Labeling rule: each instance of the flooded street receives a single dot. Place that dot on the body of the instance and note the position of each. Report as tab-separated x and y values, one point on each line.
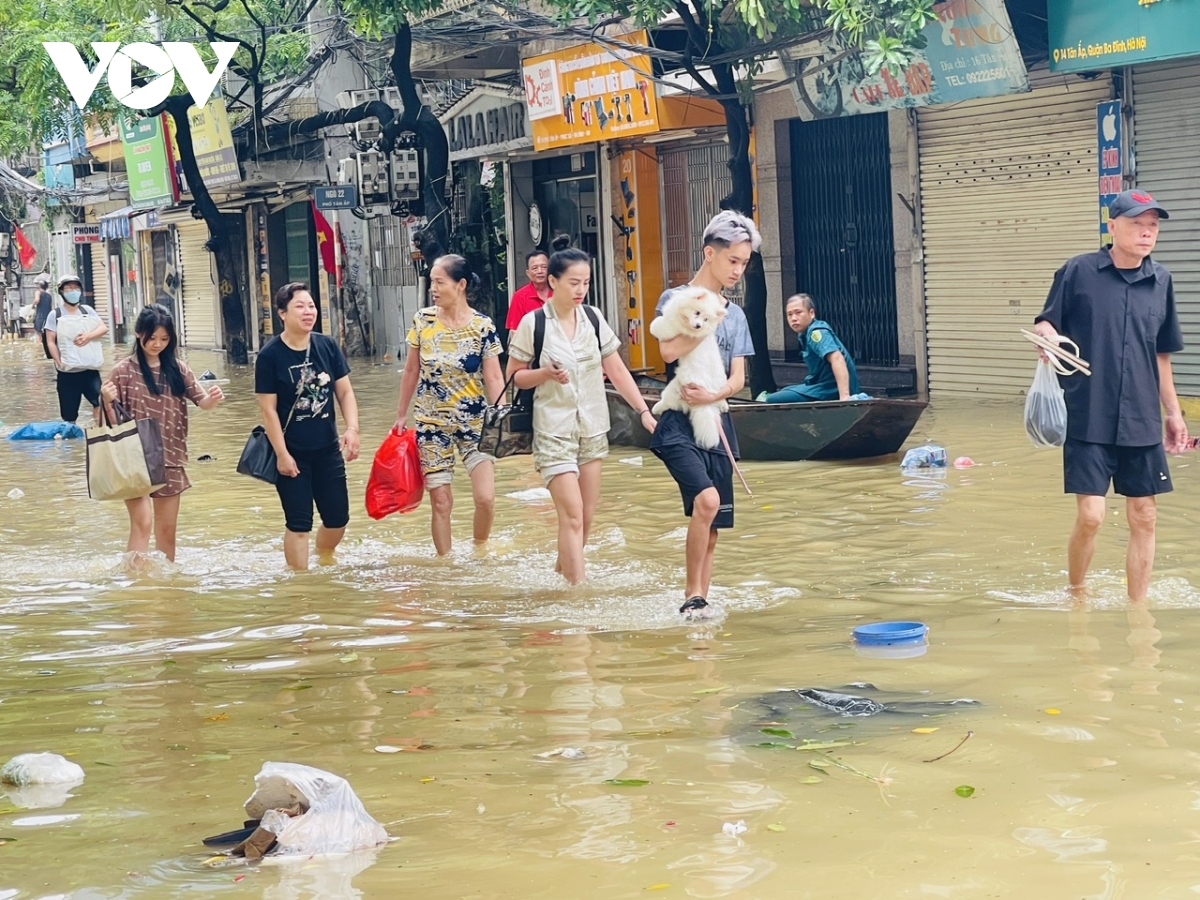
171	689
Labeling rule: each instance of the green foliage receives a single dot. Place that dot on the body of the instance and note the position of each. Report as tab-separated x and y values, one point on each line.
887	31
35	104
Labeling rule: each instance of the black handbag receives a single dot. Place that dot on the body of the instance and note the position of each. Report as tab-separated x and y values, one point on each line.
258	459
508	428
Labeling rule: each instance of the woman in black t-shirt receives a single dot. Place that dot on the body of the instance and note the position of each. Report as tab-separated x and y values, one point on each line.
297	377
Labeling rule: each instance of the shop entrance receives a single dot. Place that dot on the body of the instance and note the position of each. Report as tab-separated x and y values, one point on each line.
569	205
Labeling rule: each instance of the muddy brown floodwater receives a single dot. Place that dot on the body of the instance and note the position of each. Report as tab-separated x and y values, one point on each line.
172	688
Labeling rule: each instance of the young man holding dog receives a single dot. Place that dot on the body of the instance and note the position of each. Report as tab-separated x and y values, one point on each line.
705	477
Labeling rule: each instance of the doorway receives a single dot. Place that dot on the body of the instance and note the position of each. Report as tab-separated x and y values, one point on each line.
567	194
842	197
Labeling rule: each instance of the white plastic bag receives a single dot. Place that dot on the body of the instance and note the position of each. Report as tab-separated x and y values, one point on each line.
336	821
40	768
1046	409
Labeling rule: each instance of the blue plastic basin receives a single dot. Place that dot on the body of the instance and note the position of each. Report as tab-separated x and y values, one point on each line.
891	633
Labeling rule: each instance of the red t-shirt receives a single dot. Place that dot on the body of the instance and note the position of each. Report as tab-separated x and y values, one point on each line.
523	302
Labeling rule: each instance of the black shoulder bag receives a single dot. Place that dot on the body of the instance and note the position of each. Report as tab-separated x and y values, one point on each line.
258	459
508	428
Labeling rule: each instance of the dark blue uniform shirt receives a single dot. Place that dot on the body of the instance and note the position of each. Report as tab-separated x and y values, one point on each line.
1121	319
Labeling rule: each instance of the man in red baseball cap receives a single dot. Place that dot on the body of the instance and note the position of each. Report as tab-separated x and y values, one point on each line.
1119	306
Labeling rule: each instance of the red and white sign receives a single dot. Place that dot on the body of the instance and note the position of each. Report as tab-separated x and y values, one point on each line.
541	89
85	234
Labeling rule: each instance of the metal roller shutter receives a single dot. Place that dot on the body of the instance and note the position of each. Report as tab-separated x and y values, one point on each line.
1166	134
100	300
1008	194
199	292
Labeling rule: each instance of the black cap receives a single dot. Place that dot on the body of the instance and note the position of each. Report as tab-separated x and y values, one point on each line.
1134	203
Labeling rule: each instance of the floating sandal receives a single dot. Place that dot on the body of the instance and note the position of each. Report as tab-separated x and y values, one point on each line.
1062	360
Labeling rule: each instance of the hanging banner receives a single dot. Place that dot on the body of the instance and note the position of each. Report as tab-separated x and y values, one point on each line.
212	142
146	162
1108	141
212	139
1086	35
970	52
589	93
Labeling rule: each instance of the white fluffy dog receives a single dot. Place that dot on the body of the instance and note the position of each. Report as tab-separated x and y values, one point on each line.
694	312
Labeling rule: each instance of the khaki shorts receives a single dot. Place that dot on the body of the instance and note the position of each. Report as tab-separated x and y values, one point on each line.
554	455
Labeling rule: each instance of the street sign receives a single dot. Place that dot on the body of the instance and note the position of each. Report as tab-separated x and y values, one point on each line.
85	234
338	196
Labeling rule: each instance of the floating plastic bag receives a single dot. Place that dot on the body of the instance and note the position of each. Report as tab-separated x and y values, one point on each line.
928	456
396	483
333	821
40	768
1046	409
46	431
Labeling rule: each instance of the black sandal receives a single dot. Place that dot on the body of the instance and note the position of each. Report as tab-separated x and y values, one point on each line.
693	603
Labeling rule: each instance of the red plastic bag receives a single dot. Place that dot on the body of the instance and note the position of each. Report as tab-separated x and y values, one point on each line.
396	483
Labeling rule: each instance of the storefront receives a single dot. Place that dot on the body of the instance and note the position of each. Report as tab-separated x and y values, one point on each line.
1008	194
485	128
1155	50
116	249
1166	128
627	175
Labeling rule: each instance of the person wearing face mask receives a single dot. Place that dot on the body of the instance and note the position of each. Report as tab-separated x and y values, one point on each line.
73	333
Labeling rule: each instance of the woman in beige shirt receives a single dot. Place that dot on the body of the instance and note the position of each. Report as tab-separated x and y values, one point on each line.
570	410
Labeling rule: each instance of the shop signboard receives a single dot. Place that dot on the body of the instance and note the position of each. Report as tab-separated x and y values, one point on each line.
212	142
212	139
491	120
87	233
590	93
1108	142
145	146
1086	35
970	52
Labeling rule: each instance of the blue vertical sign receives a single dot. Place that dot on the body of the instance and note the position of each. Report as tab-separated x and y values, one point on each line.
1108	140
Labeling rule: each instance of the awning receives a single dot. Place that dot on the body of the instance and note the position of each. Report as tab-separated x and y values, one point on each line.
115	225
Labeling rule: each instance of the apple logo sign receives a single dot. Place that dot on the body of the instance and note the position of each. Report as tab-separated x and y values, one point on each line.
1110	126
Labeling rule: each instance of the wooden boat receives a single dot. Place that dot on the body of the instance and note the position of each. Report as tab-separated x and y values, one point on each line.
832	429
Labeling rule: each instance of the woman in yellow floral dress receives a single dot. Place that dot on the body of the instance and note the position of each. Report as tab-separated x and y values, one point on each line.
453	370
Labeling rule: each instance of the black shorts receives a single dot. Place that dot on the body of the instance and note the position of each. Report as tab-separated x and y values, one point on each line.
1134	471
696	470
72	387
322	480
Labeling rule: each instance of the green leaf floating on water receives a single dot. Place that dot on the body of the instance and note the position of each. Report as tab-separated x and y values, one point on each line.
212	757
348	658
774	826
7	840
824	745
964	790
775	745
297	687
777	732
626	782
812	779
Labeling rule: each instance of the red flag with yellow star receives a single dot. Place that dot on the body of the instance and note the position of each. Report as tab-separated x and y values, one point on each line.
325	242
25	250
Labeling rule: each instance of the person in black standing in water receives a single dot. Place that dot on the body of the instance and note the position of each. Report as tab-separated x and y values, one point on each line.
297	376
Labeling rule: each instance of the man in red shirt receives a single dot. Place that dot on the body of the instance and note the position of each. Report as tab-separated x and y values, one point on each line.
534	294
